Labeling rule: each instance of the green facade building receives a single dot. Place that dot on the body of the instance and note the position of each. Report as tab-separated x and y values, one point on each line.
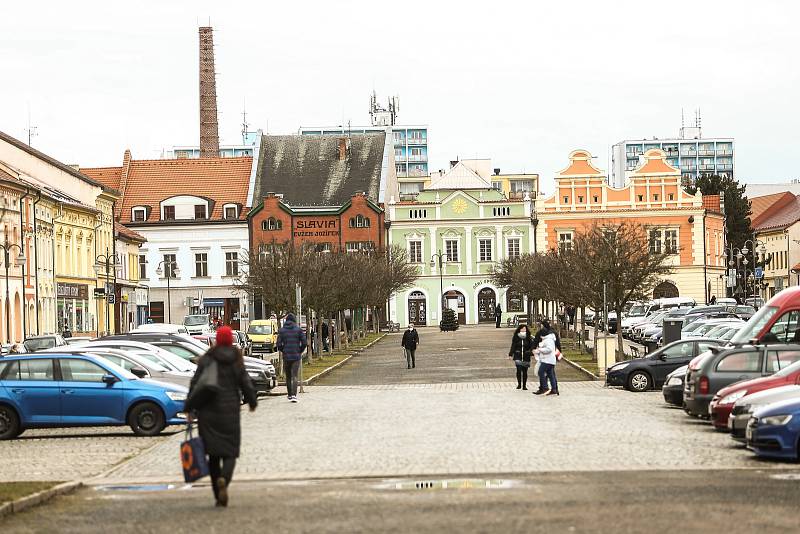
463	222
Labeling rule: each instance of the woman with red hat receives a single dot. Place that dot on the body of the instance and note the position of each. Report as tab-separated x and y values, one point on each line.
218	417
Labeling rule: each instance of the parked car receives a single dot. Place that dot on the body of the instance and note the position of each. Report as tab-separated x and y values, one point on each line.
642	374
673	386
722	403
729	365
198	324
165	328
264	335
136	365
705	327
146	350
700	311
776	322
774	430
743	408
244	342
66	390
32	344
744	312
756	302
78	340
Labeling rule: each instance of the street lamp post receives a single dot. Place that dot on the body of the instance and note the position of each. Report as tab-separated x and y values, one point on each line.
18	261
105	263
442	260
170	270
757	251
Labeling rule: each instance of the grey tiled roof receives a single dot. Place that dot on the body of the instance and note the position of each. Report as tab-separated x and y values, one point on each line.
308	170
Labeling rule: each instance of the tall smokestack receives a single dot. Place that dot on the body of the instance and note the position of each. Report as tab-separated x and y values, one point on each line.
209	127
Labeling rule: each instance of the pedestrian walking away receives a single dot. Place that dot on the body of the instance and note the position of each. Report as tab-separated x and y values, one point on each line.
325	336
520	352
545	354
498	316
218	417
409	344
291	342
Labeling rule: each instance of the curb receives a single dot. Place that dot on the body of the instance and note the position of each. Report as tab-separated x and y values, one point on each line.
41	497
309	380
581	369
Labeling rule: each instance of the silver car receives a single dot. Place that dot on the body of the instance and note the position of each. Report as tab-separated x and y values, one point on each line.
743	408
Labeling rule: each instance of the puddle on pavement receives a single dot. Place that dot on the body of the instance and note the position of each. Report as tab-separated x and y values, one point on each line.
450	484
142	487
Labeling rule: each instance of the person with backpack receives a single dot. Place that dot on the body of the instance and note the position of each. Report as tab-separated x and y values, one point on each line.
218	416
409	344
520	352
292	343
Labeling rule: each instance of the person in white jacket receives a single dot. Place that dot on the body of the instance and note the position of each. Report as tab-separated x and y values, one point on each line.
545	354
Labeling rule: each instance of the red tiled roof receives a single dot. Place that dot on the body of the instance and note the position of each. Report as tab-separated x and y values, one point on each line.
149	182
128	233
782	217
760	205
108	176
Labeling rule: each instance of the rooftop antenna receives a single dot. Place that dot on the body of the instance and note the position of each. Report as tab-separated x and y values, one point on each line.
30	129
699	123
245	126
682	122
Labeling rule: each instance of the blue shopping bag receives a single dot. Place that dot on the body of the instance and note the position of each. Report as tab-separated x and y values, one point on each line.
193	457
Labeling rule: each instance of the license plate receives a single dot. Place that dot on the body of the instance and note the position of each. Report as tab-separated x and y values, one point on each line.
730	422
748	434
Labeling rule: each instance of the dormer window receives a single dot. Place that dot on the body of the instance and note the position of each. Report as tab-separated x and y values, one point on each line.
169	213
139	214
231	211
271	224
200	211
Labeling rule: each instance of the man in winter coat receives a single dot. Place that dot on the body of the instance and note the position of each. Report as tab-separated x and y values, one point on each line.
325	336
218	416
292	343
409	343
498	316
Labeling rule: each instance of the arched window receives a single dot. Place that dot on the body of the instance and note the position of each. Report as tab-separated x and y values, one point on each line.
263	225
352	222
359	221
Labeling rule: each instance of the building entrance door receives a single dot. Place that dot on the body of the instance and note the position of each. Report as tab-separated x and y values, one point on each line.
487	300
417	314
455	301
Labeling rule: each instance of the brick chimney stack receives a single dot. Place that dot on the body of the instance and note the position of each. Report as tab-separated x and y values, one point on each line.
209	127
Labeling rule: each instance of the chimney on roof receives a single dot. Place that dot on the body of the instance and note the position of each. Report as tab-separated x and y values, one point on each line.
343	147
123	179
497	171
209	127
453	163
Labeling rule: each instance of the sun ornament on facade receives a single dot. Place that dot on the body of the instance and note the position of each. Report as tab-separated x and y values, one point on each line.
459	206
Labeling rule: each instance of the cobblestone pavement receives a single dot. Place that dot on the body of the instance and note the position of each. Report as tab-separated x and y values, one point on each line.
471	354
70	453
458	429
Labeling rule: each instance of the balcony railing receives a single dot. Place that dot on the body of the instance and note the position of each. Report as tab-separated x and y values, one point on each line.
706	167
706	152
422	157
689	153
724	152
417	140
519	195
725	167
400	158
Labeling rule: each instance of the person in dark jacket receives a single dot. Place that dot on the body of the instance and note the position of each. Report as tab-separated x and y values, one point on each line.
218	418
498	316
521	351
409	343
325	336
292	343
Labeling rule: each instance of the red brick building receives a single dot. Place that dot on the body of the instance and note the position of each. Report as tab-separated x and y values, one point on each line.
355	225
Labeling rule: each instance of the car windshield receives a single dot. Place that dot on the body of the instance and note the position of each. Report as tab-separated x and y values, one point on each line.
117	370
196	320
637	311
694	326
39	343
754	325
260	329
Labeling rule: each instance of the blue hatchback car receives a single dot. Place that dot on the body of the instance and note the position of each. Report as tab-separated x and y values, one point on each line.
64	390
774	430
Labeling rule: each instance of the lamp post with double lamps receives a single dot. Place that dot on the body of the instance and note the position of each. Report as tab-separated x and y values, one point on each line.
738	257
107	264
19	260
442	261
170	270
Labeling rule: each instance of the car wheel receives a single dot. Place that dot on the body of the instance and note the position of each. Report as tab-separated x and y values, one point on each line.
146	419
639	381
9	423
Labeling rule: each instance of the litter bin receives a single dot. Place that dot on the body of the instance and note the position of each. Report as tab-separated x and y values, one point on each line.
672	330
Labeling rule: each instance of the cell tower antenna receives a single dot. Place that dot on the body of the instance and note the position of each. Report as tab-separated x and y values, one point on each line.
682	122
30	129
245	126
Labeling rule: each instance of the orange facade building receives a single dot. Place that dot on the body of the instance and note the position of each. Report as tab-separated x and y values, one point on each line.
690	227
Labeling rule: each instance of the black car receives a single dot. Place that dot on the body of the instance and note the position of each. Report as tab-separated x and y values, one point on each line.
642	374
673	386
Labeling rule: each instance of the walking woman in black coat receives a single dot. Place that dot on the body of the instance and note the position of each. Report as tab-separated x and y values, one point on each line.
521	351
218	418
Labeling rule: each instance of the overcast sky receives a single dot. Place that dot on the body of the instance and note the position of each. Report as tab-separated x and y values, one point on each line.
523	83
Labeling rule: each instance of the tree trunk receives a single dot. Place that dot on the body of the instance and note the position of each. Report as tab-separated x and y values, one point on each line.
583	328
594	347
345	337
530	312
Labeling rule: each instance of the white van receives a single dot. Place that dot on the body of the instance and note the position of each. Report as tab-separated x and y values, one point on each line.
639	313
160	328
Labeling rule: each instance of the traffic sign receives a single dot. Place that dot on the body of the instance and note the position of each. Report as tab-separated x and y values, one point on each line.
99	291
111	299
759	273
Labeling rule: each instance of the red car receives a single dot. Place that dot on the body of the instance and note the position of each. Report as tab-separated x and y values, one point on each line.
723	401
